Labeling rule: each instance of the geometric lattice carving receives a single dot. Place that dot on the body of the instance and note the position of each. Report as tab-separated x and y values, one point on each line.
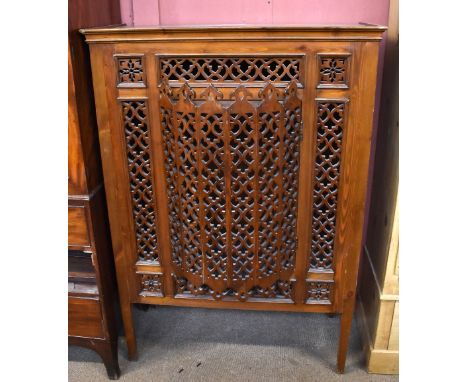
270	206
227	166
139	171
151	284
212	183
319	291
330	117
130	71
171	166
333	71
279	289
291	141
230	69
244	195
187	164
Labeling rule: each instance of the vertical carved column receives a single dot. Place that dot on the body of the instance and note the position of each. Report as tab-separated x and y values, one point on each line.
213	188
244	225
184	113
170	166
293	131
270	192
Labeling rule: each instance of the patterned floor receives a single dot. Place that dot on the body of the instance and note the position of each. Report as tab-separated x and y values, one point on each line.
184	344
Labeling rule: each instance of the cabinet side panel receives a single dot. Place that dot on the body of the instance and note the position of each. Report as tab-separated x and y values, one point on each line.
355	162
113	162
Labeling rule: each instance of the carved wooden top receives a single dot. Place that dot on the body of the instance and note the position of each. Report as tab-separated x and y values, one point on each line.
361	32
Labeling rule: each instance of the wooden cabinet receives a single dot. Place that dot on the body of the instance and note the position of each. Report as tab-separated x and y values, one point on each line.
235	161
378	291
378	305
92	290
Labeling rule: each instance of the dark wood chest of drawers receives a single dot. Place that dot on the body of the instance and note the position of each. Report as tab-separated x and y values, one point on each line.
235	162
92	289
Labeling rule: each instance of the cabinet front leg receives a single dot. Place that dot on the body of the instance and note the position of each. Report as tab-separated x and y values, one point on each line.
129	331
345	331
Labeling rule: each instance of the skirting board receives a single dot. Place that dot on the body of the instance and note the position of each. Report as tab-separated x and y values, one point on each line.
378	361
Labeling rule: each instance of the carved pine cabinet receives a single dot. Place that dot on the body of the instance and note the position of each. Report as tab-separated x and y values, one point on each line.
235	163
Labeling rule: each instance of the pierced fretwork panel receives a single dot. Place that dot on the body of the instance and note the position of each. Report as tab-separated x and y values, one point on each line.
139	171
171	167
188	171
330	120
231	175
279	289
270	182
291	141
243	151
213	185
234	69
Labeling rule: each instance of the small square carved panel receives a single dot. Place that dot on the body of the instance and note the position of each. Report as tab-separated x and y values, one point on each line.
131	72
151	284
319	292
333	71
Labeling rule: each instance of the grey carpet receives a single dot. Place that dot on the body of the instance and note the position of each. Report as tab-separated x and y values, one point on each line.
184	344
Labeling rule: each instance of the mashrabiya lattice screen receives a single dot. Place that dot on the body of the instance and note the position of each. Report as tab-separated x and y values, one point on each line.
139	171
227	167
230	69
330	117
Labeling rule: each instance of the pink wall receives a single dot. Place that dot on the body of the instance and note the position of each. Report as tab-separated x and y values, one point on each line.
177	12
174	12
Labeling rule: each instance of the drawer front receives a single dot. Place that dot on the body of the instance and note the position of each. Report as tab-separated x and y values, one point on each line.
77	227
85	317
